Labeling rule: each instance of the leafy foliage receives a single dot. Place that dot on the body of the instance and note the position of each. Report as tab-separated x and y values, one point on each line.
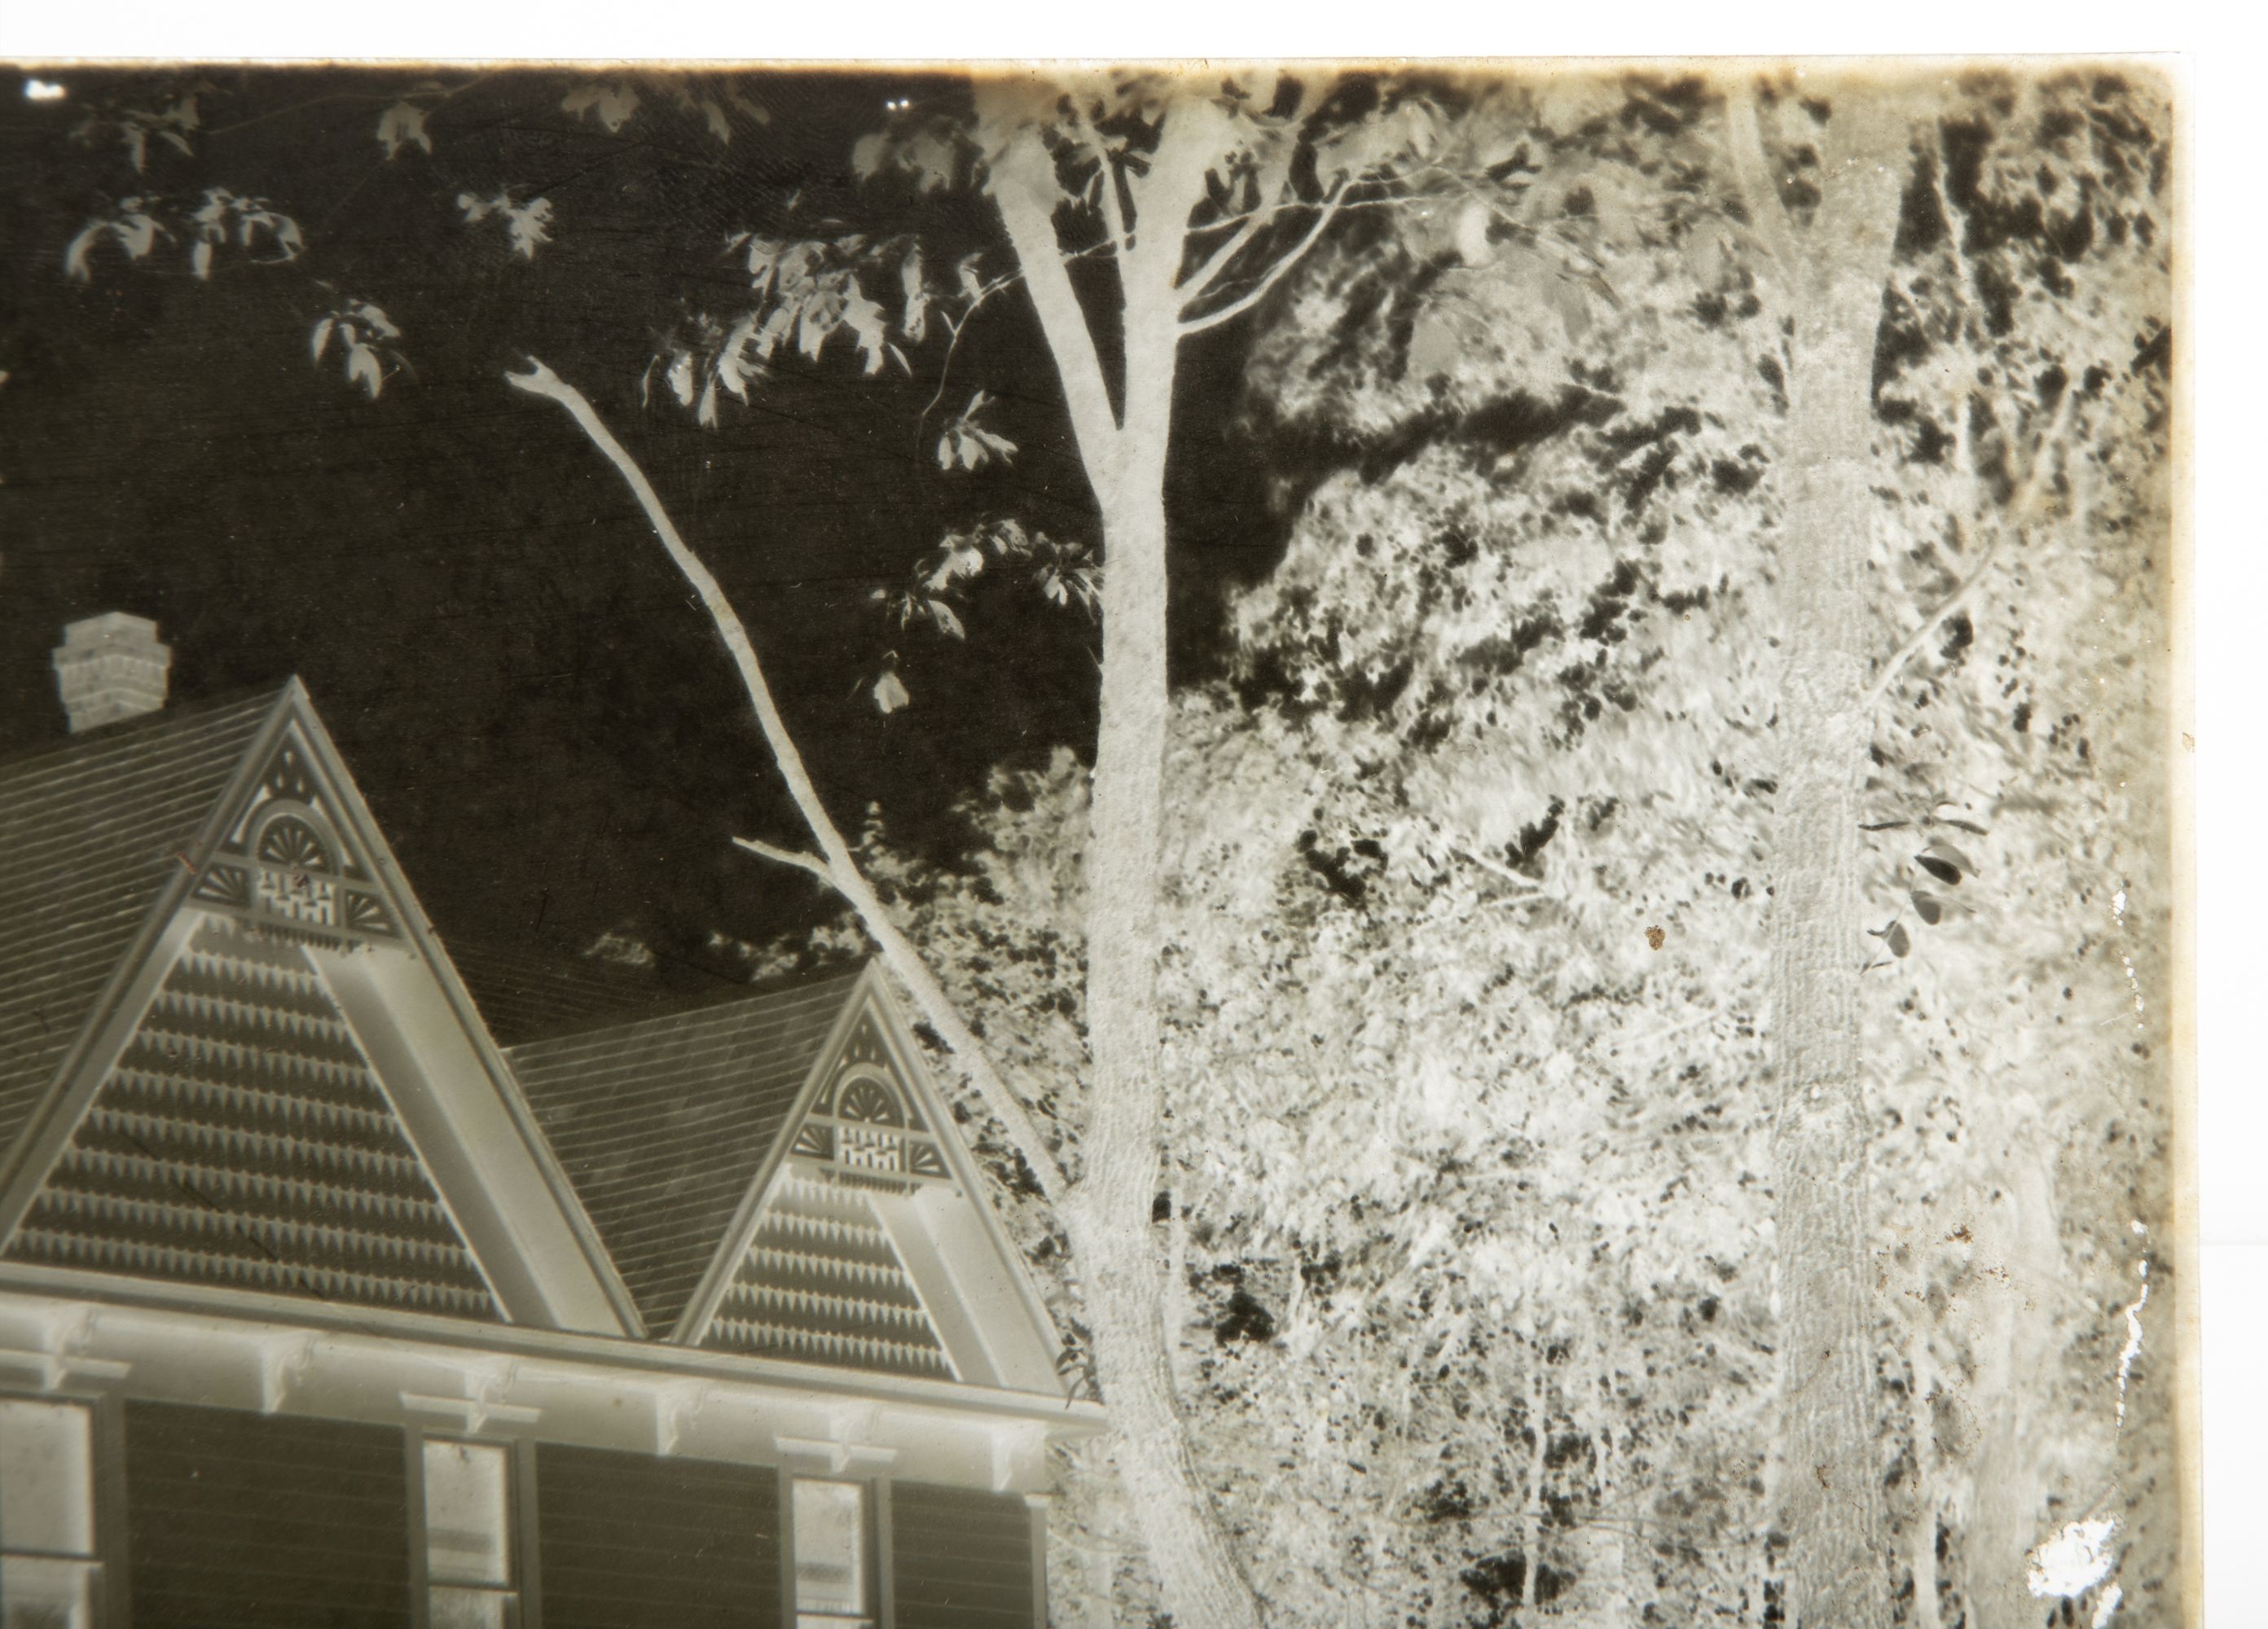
718	105
364	334
966	445
218	219
135	128
1467	885
404	125
526	225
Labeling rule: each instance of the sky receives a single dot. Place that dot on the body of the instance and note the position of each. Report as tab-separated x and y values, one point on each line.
546	726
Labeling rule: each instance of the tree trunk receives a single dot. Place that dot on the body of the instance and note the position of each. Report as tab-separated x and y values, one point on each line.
1531	1517
1107	1217
1836	1573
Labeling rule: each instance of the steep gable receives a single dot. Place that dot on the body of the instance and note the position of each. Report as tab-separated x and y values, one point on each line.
867	1242
289	859
661	1123
274	1081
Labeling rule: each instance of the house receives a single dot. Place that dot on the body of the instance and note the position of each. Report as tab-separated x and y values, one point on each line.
320	1304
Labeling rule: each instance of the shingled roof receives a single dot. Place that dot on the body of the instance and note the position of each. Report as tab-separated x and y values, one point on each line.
526	996
92	830
237	1133
662	1124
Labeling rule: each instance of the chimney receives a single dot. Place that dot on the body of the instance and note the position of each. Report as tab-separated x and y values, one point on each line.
111	667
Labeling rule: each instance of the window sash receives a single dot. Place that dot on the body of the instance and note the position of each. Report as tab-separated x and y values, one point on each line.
467	1517
47	1478
832	1545
49	1592
466	1606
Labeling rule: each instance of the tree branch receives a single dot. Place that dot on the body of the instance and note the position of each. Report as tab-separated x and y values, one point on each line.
2017	517
1931	623
840	868
437	96
1324	216
1022	183
1498	869
957	326
810	862
1113	210
1203	279
1767	212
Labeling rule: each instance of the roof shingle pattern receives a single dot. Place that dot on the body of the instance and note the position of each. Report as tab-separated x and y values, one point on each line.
662	1125
91	833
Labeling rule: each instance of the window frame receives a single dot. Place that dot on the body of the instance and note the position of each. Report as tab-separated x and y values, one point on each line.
106	1558
875	1501
522	1538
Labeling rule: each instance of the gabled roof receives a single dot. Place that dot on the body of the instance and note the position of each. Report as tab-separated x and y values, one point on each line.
310	1105
235	1056
822	1282
93	831
662	1124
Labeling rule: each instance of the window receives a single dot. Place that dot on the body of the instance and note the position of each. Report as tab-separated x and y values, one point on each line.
831	1566
48	1568
470	1581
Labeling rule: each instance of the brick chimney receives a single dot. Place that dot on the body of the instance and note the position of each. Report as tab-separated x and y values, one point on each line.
111	667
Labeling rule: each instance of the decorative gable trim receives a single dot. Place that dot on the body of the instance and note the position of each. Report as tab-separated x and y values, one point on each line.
864	1124
289	860
291	853
701	1307
416	934
916	1266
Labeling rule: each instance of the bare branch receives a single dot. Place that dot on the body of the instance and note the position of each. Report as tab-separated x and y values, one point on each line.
1114	211
1766	210
1650	1035
1325	214
1244	226
1206	275
841	868
1935	619
810	862
438	100
1498	869
2016	517
958	325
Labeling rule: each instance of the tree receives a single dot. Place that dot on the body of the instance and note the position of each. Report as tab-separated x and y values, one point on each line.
1554	574
1834	280
1399	1204
1829	283
1470	1031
